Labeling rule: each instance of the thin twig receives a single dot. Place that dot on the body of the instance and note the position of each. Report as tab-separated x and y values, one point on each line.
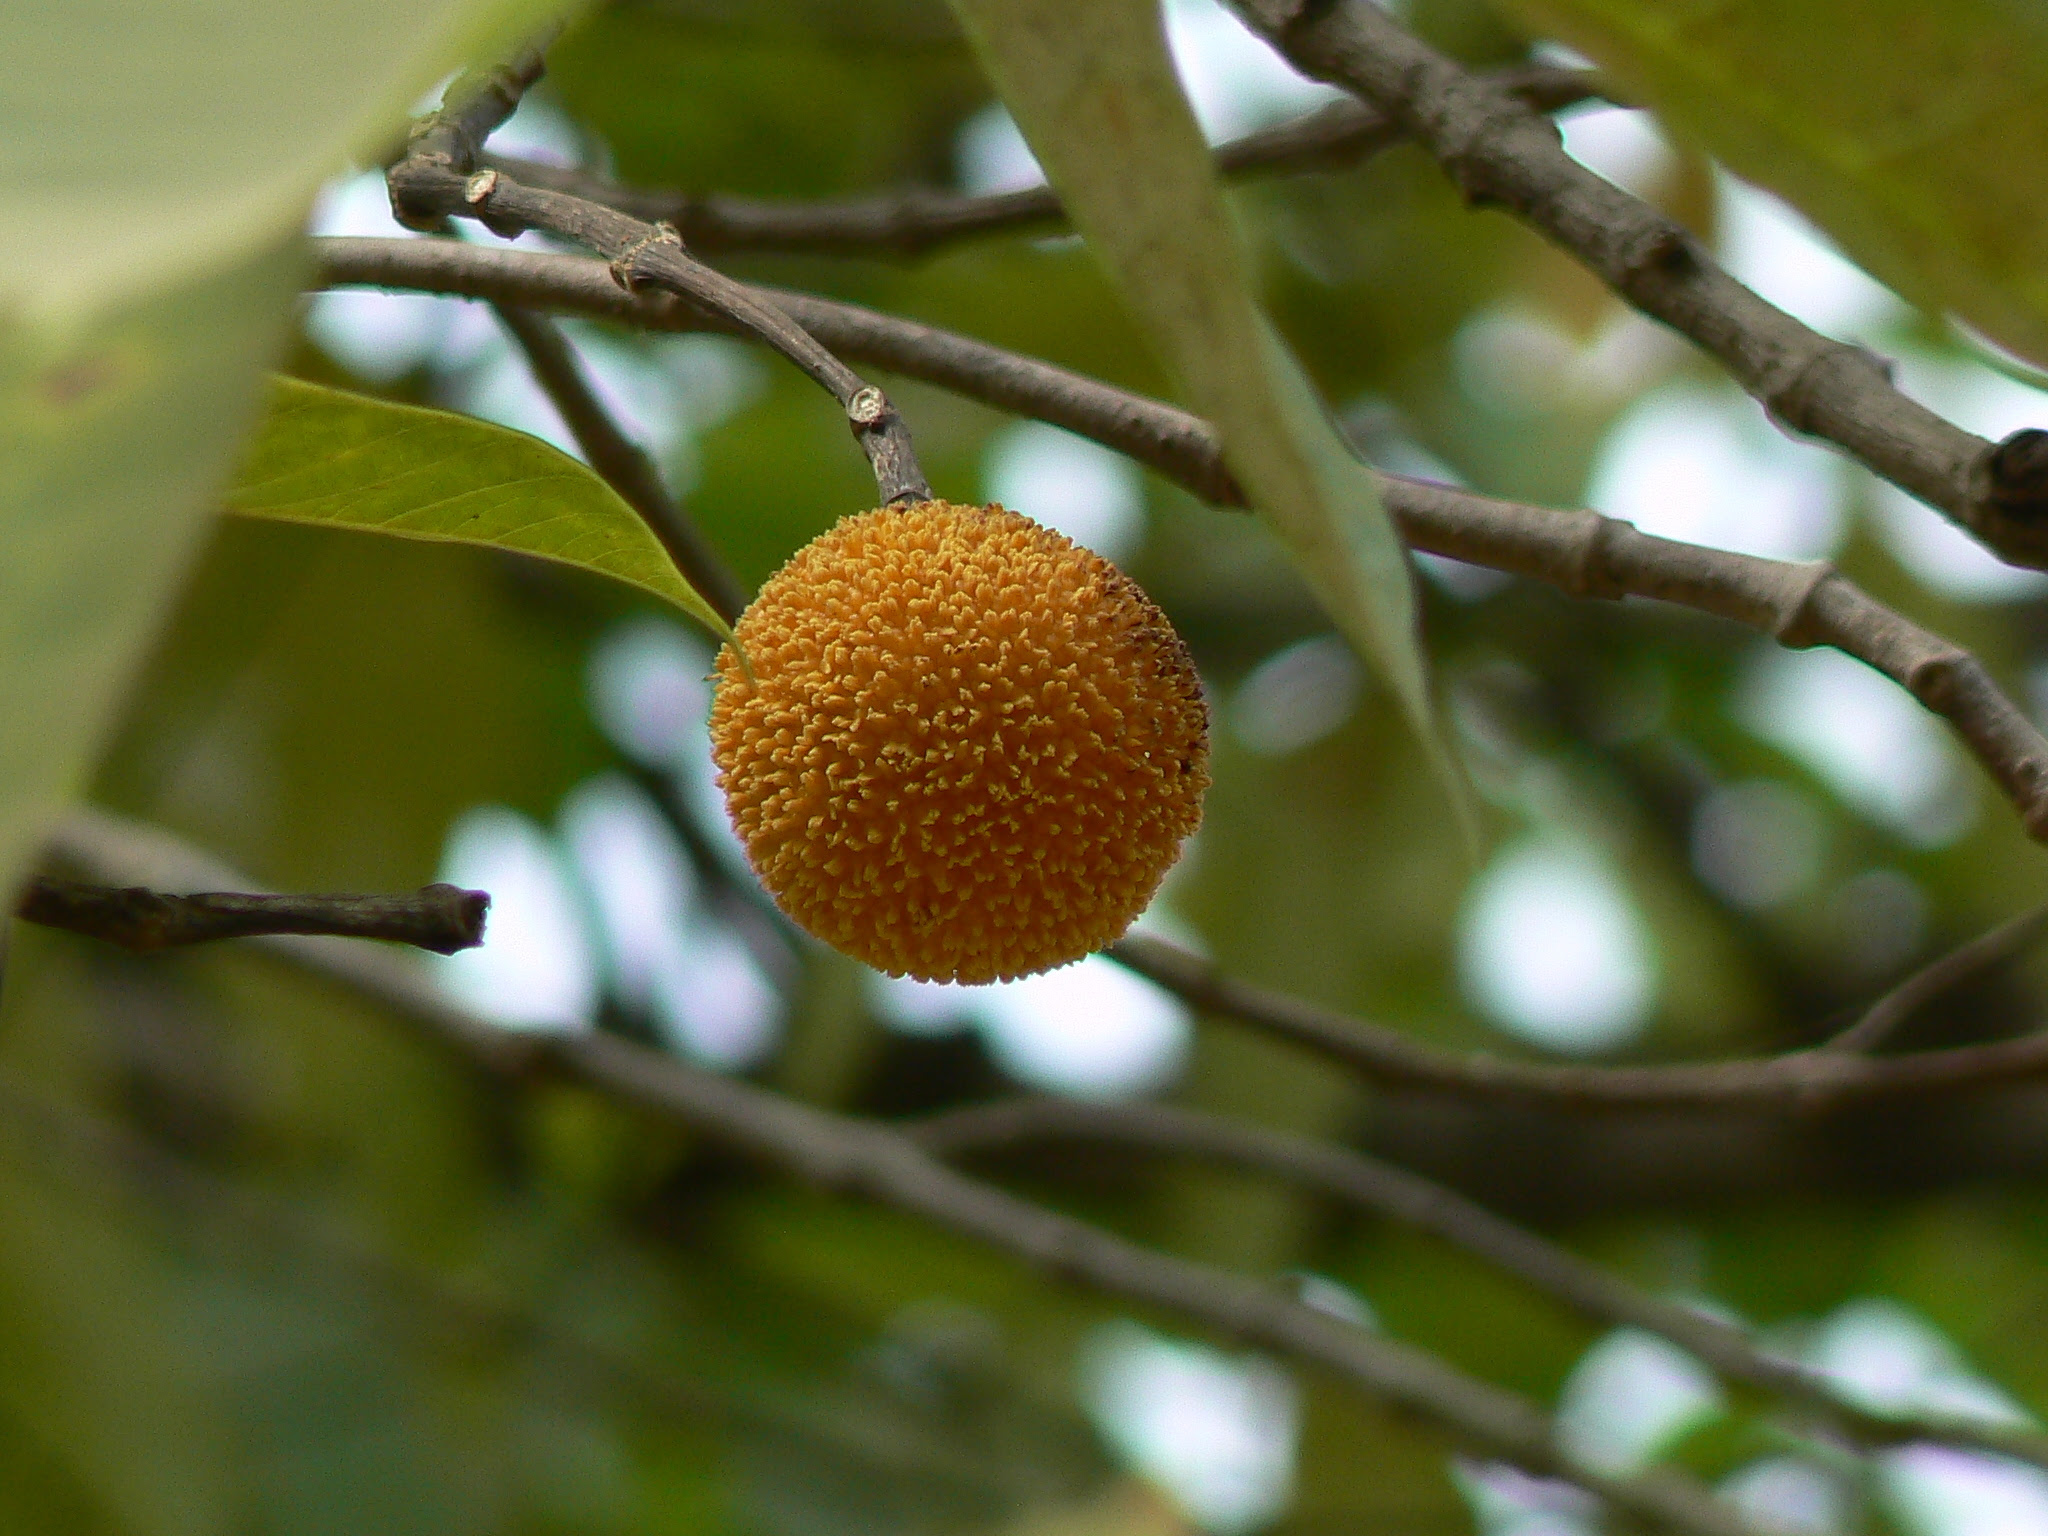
1583	552
616	457
427	189
1989	949
1503	154
442	918
915	222
1393	1192
474	106
1802	1082
870	1160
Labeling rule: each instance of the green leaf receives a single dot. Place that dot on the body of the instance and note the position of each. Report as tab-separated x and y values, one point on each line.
1094	91
340	460
156	161
1909	131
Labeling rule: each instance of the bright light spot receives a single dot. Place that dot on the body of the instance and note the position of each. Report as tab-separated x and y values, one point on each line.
1296	696
1511	357
1943	558
1467	583
534	968
991	156
1334	1299
648	689
1551	948
1554	53
1507	1501
640	387
1623	146
1772	249
1788	1497
1758	843
670	960
1887	1358
1082	489
539	130
377	336
1865	736
431	100
1515	360
1234	82
1092	1029
926	1009
501	388
1704	466
638	876
715	377
1632	1395
713	1001
1217	1432
1936	1491
357	204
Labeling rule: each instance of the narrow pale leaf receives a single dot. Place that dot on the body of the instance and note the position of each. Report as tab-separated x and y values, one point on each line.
1094	91
347	461
157	159
144	142
112	443
1909	130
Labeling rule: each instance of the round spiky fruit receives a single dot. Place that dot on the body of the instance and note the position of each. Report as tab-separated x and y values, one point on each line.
970	749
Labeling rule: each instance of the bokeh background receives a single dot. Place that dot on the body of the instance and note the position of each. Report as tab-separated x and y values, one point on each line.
267	1265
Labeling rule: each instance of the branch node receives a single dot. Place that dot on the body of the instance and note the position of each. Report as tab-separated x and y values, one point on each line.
2015	474
1797	397
1797	626
622	266
867	407
1590	573
1669	250
479	187
419	221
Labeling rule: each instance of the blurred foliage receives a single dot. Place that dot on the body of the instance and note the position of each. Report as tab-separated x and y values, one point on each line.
1895	127
269	1264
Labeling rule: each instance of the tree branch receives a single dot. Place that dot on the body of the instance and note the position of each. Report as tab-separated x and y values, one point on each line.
1389	1191
1502	153
427	188
1582	552
627	469
475	106
1988	950
443	918
881	1165
910	224
1800	1083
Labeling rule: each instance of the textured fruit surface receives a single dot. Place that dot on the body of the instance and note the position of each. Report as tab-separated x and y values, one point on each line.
971	749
